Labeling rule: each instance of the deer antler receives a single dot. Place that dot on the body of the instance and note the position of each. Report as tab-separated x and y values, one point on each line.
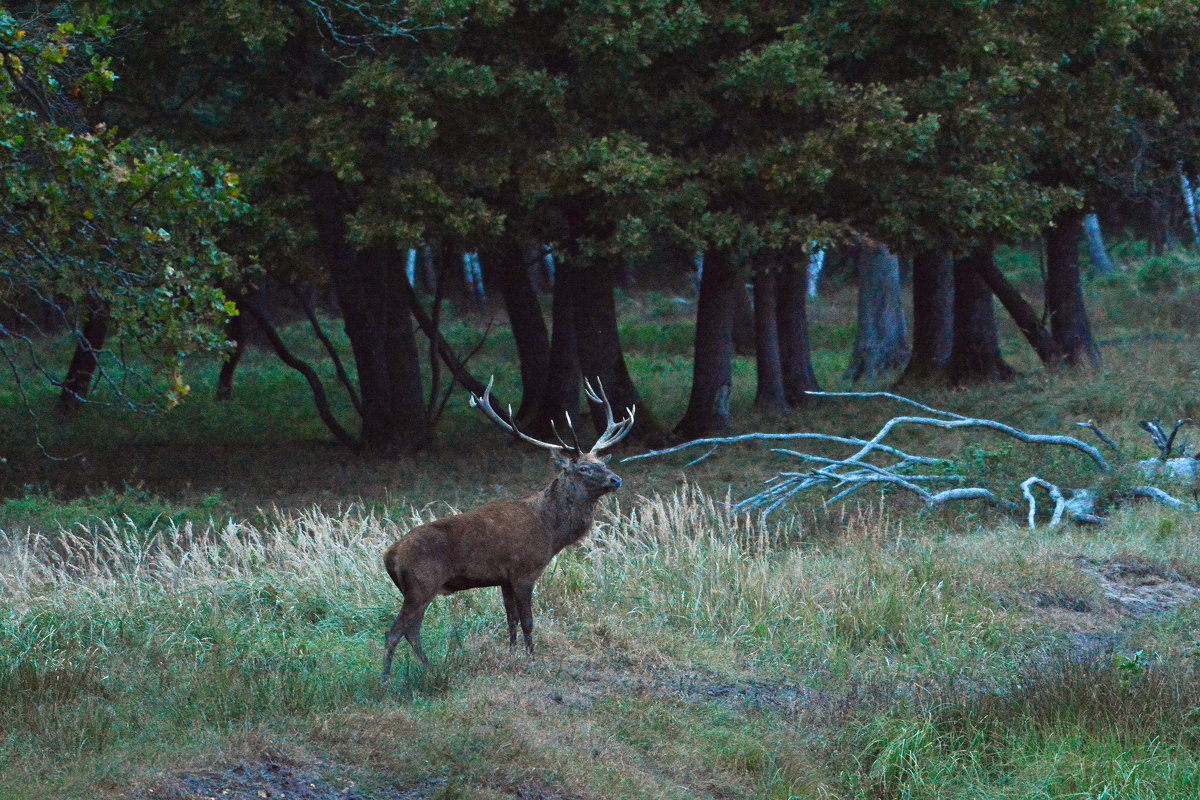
576	448
613	431
484	404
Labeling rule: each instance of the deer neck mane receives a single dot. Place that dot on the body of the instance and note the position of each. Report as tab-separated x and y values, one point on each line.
566	508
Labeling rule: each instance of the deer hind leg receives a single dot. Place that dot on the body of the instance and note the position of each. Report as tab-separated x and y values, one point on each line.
524	598
510	611
407	625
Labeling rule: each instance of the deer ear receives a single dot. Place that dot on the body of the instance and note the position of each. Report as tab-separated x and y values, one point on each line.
606	459
560	461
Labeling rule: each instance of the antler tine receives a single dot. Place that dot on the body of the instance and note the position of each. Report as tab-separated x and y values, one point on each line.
571	427
484	404
574	435
613	431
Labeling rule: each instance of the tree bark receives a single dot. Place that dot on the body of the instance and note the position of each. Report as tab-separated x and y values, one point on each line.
235	332
712	361
975	349
743	321
1027	319
1064	292
372	292
508	263
933	316
881	343
769	396
795	355
561	392
599	346
1189	204
1101	263
86	358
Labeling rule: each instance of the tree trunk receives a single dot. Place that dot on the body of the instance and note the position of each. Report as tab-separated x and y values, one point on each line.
769	396
933	316
1189	204
235	332
1101	264
372	292
1027	319
975	349
712	362
599	346
85	360
816	263
881	344
795	356
561	392
1064	293
743	321
528	326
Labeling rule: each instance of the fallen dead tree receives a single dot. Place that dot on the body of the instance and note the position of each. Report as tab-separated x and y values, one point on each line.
937	481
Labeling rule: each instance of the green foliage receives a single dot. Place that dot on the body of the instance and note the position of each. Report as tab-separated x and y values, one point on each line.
91	220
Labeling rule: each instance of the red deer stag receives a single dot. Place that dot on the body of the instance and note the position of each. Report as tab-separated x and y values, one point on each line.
507	543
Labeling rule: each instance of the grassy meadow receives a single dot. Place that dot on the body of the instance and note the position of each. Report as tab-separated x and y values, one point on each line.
193	605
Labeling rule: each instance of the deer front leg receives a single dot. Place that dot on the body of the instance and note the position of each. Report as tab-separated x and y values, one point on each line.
510	611
524	598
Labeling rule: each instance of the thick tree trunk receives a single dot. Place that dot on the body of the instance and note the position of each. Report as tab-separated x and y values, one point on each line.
795	356
975	350
78	380
743	321
881	344
712	362
1101	263
1027	319
1064	292
769	396
599	346
933	316
528	326
561	392
373	293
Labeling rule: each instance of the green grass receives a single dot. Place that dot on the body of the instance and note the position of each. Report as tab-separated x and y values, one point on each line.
681	651
226	603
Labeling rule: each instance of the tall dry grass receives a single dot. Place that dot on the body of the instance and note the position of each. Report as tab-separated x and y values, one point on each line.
883	651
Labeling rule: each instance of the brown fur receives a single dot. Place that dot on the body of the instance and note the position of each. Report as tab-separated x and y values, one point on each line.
507	544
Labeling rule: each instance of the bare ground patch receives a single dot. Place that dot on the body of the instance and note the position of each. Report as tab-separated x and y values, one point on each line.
1140	590
256	780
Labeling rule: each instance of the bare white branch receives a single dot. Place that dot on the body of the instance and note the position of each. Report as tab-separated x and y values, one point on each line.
1060	502
843	476
1159	496
957	421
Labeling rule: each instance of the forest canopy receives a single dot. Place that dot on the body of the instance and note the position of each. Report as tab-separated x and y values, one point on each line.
171	171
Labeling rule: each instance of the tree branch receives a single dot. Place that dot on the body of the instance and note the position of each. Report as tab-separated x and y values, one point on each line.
314	381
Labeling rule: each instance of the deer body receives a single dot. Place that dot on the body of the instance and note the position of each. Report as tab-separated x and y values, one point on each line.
506	543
